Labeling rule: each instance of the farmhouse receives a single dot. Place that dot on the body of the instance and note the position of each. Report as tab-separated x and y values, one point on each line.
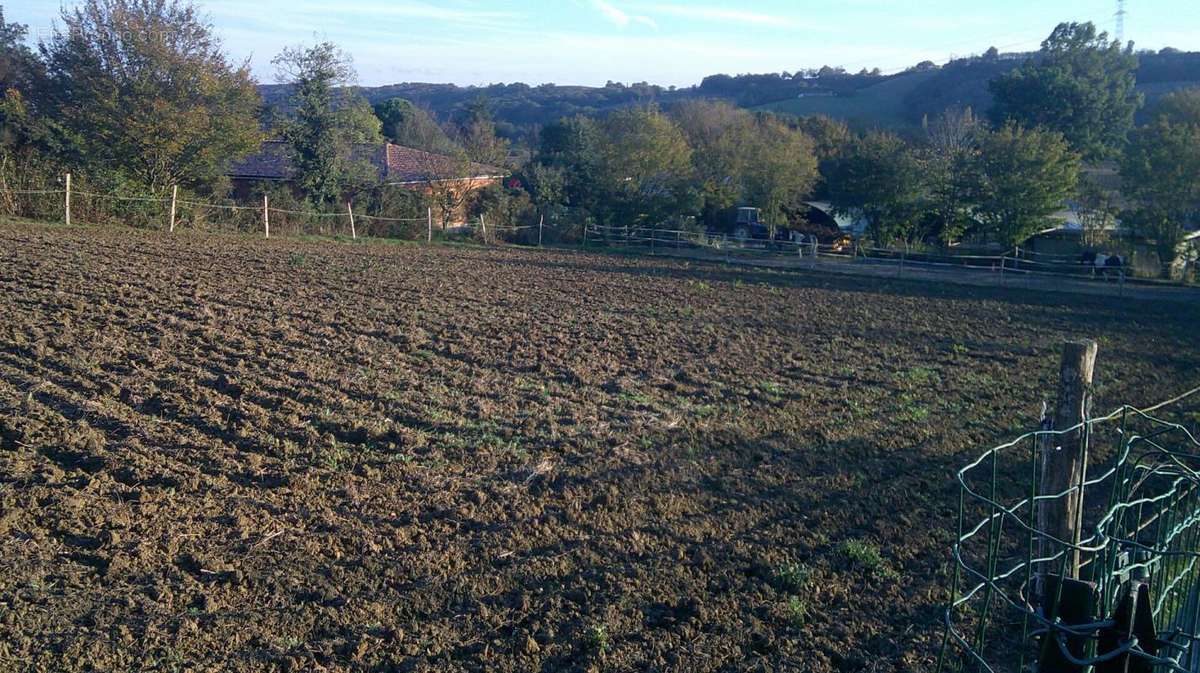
444	177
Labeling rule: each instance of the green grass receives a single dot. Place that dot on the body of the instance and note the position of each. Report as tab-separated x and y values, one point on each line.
792	577
865	555
877	105
919	376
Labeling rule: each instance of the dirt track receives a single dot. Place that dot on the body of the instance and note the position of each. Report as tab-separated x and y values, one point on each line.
227	454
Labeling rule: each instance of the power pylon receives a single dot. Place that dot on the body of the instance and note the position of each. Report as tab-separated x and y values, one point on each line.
1121	14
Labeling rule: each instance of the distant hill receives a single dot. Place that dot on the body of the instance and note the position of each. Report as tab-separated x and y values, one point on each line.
905	99
866	99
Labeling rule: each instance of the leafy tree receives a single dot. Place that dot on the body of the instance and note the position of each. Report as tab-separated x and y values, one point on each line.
1180	107
879	177
644	168
477	135
1080	84
404	123
742	158
546	186
326	121
1161	174
1095	206
723	141
572	147
358	119
1025	176
19	66
782	170
145	89
949	162
830	136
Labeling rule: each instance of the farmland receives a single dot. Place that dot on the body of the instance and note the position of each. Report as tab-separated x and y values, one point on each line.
220	453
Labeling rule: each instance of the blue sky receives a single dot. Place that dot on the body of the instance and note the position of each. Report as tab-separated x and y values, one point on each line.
660	41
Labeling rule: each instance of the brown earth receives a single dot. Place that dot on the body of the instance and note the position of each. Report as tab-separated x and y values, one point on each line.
228	454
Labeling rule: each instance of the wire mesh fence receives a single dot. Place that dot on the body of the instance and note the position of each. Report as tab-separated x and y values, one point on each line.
1125	594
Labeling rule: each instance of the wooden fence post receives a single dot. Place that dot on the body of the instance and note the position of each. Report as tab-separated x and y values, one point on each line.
429	215
350	210
1064	464
174	196
541	222
67	204
266	218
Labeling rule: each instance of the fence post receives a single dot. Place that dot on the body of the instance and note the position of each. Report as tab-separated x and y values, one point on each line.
67	204
429	216
174	196
541	222
1064	464
350	210
266	218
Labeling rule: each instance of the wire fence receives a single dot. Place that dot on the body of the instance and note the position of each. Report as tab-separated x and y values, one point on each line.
1126	595
1008	265
228	216
174	213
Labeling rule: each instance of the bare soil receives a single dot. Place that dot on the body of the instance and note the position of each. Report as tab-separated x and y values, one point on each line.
228	454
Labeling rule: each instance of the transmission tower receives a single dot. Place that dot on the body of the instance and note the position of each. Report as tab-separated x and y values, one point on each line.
1121	14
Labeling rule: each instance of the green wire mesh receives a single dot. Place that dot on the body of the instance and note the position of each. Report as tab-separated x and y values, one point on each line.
1136	604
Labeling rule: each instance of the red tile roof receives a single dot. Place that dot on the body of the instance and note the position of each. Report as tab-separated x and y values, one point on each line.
396	164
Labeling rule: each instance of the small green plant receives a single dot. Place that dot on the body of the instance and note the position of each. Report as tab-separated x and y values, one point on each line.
296	260
797	611
911	410
959	349
919	376
792	577
636	398
595	639
867	556
771	389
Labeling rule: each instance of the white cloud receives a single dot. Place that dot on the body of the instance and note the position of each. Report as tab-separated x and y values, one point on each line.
725	15
621	17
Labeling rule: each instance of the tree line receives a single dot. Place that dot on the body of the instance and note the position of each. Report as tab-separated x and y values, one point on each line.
999	178
138	96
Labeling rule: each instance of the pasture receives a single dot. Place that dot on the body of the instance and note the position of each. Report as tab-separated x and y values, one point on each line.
220	453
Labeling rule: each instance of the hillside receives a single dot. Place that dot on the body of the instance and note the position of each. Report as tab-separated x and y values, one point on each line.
905	99
864	99
880	104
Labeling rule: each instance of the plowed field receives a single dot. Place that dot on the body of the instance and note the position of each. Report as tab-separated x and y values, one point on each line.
228	454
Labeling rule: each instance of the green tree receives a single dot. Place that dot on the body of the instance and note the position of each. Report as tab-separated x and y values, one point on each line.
476	134
1025	176
948	166
19	66
644	168
411	126
1161	175
145	89
1180	107
879	178
782	170
723	139
326	120
1080	84
830	136
740	158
